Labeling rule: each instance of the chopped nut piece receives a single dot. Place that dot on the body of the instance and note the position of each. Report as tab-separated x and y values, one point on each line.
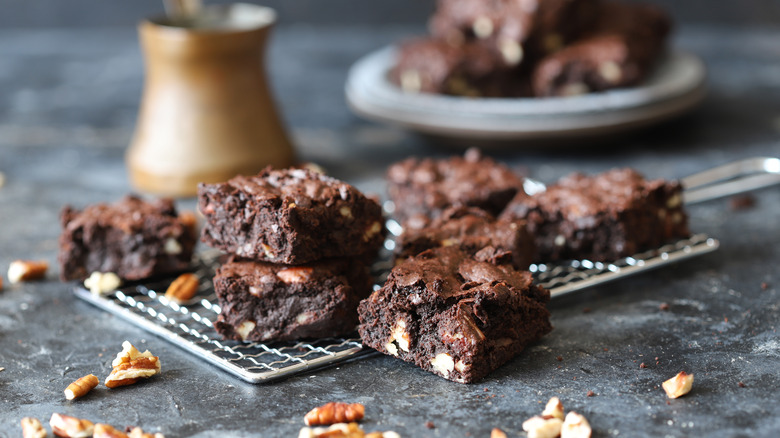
542	427
245	329
183	288
343	430
101	283
497	433
553	409
2	179
137	432
106	431
1	283
443	363
131	365
575	426
81	387
32	428
334	412
26	270
295	274
678	385
70	427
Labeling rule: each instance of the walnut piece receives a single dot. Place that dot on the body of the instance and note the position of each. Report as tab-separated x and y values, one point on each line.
554	408
81	387
70	427
678	385
183	288
343	430
32	428
543	426
334	412
27	270
101	283
497	433
131	365
575	426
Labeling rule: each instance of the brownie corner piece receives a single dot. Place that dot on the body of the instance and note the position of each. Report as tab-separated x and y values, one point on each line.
290	216
132	238
454	314
429	186
266	302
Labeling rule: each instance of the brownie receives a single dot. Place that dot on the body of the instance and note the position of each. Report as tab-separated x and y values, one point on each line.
430	65
453	314
132	238
429	186
619	51
290	216
264	302
520	30
603	217
471	229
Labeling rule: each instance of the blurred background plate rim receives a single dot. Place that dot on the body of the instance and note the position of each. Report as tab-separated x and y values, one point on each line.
676	86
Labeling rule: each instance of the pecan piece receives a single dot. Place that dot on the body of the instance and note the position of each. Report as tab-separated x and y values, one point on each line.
131	365
334	412
107	431
183	288
678	385
343	430
81	387
70	427
26	270
32	428
575	426
101	283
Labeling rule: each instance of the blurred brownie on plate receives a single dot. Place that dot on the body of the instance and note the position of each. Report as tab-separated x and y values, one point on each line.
269	302
290	216
132	238
603	217
426	187
455	315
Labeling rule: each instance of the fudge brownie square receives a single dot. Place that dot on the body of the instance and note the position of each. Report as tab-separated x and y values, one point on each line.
429	65
132	238
290	216
471	229
619	51
429	186
603	217
520	30
264	302
455	315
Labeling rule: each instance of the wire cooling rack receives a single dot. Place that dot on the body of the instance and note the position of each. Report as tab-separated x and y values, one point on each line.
191	325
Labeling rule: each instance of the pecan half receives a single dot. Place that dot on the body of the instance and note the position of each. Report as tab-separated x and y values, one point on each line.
334	412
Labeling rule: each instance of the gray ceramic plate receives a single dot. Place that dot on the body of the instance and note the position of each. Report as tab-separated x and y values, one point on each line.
676	86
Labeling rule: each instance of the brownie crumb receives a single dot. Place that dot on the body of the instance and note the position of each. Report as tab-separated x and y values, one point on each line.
430	425
559	358
591	393
743	202
642	365
741	385
764	285
587	310
664	306
606	349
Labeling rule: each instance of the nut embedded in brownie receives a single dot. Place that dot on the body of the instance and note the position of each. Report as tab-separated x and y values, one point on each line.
270	302
290	216
132	238
456	315
603	217
471	229
618	51
429	186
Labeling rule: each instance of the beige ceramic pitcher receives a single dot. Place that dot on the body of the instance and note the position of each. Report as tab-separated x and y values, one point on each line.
206	112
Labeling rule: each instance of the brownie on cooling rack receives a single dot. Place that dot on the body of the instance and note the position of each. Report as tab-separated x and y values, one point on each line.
453	314
426	187
290	216
265	302
603	217
132	238
618	51
471	229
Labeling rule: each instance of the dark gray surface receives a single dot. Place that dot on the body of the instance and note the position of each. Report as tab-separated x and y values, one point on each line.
68	105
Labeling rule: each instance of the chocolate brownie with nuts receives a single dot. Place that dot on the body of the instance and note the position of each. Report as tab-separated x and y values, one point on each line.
290	216
429	186
269	302
471	229
455	315
619	51
132	238
603	217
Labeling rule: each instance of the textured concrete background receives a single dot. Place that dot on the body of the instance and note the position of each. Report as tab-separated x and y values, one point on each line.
68	100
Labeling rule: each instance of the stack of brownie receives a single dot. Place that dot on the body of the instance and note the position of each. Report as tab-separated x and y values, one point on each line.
299	244
524	48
